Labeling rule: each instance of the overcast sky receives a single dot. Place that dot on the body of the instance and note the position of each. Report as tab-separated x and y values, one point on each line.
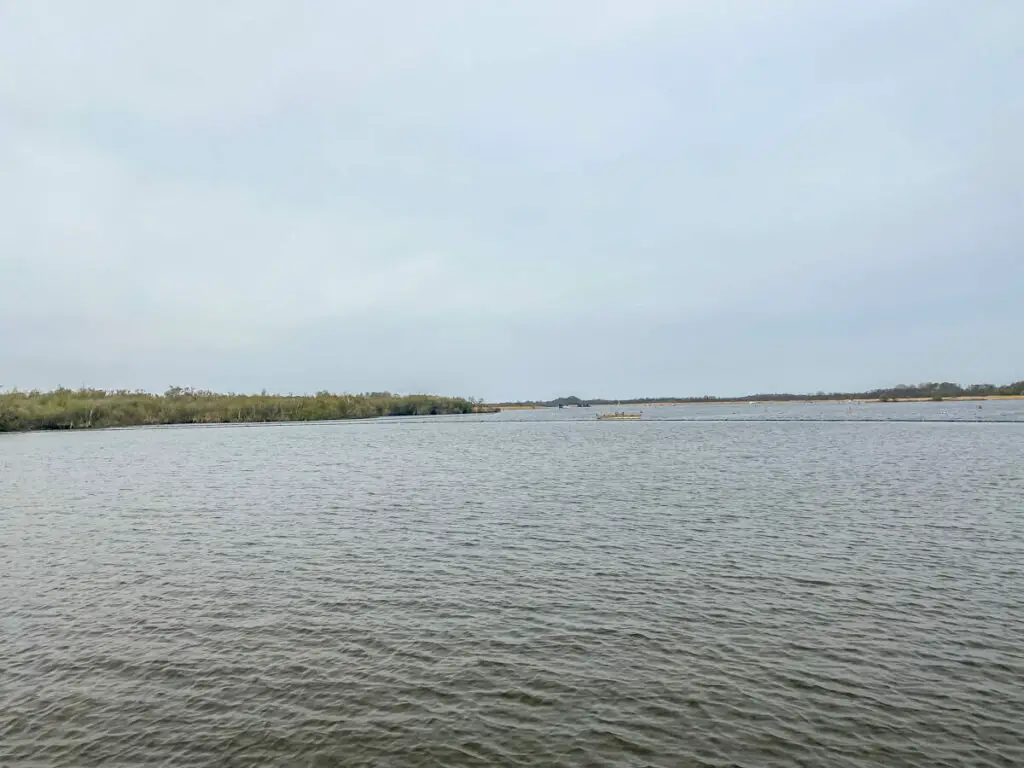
511	199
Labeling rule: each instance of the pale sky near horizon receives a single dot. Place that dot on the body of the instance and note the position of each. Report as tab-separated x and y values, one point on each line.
511	200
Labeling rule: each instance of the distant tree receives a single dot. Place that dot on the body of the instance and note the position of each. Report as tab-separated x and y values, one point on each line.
64	409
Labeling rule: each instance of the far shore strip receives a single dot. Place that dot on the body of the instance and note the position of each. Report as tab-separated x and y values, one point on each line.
528	407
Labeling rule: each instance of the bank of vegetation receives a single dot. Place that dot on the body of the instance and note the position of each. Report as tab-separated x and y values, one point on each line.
97	408
930	390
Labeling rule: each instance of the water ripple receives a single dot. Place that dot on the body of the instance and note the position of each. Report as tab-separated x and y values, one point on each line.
525	593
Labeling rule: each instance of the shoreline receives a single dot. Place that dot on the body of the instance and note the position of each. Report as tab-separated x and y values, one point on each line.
861	400
84	409
808	401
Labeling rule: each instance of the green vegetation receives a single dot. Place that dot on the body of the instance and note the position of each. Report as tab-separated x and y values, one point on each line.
568	401
933	390
96	408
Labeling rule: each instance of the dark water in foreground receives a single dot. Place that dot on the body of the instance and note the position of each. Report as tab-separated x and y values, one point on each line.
525	590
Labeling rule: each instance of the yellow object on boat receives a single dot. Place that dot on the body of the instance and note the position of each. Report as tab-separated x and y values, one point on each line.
618	416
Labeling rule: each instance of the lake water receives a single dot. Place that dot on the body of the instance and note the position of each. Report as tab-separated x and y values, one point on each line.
813	585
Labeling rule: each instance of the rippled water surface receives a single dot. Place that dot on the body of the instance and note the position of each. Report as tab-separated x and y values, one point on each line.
789	585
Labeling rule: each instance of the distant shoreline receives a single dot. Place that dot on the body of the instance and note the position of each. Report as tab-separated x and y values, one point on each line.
828	400
66	409
790	400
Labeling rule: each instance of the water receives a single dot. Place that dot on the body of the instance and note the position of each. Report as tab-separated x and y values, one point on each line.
521	589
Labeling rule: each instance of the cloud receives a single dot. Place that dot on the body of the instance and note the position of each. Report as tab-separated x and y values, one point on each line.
101	237
198	193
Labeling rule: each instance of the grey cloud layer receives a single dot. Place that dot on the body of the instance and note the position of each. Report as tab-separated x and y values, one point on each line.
291	194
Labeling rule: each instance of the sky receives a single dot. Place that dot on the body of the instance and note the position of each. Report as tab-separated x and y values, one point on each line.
511	200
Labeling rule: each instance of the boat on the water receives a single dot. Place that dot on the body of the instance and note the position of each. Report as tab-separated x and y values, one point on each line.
618	416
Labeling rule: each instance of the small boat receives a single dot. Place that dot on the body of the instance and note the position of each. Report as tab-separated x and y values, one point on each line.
618	416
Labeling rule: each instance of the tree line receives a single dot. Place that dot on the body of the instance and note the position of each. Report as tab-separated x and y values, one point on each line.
97	408
934	390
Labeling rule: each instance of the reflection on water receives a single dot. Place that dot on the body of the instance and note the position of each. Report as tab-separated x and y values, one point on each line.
520	589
